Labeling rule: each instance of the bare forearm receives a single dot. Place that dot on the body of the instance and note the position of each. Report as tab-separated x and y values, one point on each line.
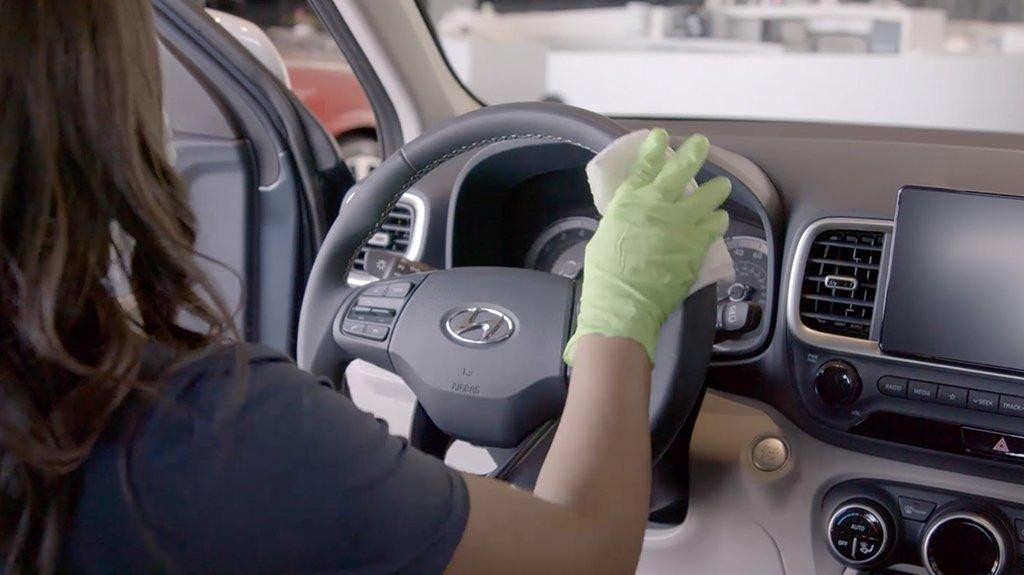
600	462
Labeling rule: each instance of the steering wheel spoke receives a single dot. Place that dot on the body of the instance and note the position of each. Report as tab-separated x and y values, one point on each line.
480	347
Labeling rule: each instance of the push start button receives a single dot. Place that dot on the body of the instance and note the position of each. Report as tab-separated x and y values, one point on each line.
769	454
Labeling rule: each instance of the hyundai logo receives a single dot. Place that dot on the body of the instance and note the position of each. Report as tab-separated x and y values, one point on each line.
478	325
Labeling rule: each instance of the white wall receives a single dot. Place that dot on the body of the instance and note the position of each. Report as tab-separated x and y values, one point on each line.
967	92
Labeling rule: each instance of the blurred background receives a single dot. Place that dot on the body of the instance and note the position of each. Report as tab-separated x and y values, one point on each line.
918	63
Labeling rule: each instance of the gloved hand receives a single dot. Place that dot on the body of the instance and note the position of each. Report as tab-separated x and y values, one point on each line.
649	246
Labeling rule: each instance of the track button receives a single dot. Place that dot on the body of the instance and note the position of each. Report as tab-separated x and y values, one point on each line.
1011	405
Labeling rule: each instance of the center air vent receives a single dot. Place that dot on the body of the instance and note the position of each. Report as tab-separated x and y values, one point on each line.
840	282
394	235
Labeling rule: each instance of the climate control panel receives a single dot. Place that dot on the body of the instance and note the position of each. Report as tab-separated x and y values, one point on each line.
861	533
873	525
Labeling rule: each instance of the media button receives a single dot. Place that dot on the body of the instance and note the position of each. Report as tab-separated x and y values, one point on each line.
1011	405
983	401
922	390
893	386
949	395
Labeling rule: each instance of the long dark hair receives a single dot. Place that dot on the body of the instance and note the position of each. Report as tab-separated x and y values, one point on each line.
85	187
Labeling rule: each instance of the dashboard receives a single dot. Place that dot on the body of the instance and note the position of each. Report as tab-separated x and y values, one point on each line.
813	429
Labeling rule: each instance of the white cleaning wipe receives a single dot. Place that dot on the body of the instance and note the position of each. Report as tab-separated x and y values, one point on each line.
609	169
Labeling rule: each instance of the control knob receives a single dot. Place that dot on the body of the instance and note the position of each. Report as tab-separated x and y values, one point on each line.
837	383
861	533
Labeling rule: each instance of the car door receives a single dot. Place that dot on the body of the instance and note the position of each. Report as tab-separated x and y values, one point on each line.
261	172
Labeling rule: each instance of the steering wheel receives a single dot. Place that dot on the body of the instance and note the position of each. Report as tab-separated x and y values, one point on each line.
481	347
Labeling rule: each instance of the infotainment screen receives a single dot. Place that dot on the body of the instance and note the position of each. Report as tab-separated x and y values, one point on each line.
956	279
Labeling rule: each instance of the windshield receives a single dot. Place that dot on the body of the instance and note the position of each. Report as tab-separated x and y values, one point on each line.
956	64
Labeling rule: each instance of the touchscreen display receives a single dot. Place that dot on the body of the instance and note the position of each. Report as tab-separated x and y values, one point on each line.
956	282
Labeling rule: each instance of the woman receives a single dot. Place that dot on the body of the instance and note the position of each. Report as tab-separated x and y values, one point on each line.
145	441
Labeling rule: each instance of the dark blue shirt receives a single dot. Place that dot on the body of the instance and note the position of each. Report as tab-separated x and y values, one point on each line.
273	474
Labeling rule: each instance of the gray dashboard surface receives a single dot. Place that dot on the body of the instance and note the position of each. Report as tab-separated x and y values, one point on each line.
833	170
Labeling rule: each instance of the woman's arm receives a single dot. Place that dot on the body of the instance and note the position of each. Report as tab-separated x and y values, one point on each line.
589	508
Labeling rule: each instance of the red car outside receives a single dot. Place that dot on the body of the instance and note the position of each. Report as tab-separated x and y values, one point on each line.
331	91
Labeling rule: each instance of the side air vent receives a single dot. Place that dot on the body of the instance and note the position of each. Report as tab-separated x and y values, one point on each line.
840	282
394	235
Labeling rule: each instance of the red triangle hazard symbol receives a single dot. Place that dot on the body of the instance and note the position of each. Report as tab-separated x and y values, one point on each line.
1001	446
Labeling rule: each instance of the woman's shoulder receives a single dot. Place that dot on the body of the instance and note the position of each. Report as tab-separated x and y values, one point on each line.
222	363
240	383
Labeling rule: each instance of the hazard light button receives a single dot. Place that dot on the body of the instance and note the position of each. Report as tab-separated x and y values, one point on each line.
993	443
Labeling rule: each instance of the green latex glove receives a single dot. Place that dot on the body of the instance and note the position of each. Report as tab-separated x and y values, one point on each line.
650	245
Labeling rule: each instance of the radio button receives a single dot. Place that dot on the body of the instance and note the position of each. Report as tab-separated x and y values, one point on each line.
983	401
922	390
1011	405
949	395
893	386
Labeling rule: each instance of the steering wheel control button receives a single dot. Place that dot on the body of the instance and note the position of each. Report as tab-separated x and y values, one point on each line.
398	289
377	332
992	443
356	328
837	383
1011	405
954	396
965	543
858	534
769	454
916	509
922	390
983	401
892	386
376	290
479	325
371	315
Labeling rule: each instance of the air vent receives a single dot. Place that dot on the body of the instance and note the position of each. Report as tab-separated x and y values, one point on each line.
394	235
841	281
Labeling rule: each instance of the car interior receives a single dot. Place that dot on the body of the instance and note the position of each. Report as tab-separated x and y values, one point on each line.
852	403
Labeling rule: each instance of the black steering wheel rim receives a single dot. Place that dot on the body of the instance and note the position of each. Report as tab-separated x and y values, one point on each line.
684	352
